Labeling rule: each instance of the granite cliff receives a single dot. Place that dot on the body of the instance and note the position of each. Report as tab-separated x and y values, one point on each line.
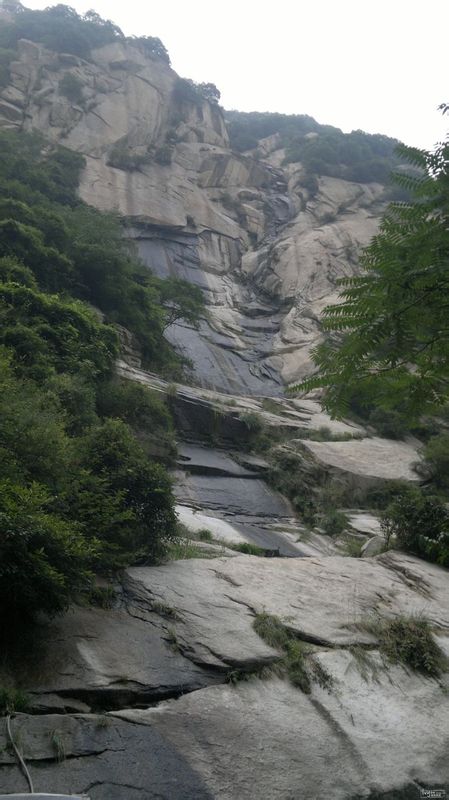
266	250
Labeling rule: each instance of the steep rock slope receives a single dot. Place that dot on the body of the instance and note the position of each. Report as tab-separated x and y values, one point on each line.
266	251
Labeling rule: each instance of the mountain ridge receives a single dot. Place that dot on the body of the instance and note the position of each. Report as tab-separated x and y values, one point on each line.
262	237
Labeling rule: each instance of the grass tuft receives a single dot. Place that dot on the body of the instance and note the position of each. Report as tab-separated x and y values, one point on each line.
409	641
297	662
248	547
12	700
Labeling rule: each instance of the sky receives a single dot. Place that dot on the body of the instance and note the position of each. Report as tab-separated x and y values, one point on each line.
381	66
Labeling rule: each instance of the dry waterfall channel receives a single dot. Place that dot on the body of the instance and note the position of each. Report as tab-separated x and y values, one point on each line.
149	700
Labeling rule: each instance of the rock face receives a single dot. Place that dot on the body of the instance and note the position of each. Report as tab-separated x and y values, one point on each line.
376	728
265	249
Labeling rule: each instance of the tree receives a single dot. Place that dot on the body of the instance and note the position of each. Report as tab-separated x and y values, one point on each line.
44	560
122	497
151	46
187	91
181	300
210	92
419	524
388	338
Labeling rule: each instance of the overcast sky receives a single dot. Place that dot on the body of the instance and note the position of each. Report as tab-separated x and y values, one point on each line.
380	66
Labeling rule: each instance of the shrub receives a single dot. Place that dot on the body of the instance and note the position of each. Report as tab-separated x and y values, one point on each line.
76	397
353	547
182	550
50	334
204	535
78	491
436	460
71	87
13	701
102	596
187	91
122	157
146	413
297	661
151	46
12	271
295	478
6	56
60	28
334	522
253	421
389	423
418	524
43	560
135	404
123	497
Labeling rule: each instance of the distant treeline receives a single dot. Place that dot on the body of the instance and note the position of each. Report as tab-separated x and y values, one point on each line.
322	149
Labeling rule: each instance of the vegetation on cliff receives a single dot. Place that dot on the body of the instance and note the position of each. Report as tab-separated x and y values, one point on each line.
62	29
80	490
321	149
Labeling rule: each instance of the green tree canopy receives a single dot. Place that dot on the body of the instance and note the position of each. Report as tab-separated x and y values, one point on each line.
388	338
62	29
81	489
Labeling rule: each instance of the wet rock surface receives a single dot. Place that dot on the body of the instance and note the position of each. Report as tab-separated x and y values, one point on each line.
99	756
214	482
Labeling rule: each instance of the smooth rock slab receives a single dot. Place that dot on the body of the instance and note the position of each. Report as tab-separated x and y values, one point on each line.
364	522
207	461
323	599
256	739
107	659
367	459
196	521
214	630
266	739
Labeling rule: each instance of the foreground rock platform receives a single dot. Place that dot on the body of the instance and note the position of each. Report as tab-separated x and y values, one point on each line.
187	626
